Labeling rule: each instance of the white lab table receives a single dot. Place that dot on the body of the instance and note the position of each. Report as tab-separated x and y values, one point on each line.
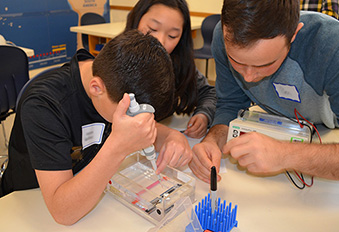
264	204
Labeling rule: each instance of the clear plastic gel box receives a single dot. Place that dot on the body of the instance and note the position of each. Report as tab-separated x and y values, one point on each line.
137	186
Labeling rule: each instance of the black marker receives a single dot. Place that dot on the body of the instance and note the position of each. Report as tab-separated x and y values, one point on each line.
213	188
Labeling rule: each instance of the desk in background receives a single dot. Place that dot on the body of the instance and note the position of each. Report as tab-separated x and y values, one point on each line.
102	33
264	203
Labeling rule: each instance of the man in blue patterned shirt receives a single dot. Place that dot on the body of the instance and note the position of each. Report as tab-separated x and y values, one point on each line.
269	53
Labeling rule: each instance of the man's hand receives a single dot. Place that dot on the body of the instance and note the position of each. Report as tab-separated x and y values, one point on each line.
259	153
206	155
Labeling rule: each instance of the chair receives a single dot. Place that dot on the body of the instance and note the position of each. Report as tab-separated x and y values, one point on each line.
89	19
207	28
13	76
29	81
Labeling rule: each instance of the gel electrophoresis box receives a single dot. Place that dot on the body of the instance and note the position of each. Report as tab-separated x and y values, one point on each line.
137	186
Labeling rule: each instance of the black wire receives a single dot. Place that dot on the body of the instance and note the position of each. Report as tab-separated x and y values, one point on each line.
295	184
313	133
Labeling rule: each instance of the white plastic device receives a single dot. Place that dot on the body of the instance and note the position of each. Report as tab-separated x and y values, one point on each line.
277	127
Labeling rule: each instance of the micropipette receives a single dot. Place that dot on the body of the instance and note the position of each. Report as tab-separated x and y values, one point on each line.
134	109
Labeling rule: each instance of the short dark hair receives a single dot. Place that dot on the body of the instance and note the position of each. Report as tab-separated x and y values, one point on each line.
136	63
247	21
182	55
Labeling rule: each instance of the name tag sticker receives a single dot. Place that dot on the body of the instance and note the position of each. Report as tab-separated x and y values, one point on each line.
288	92
92	134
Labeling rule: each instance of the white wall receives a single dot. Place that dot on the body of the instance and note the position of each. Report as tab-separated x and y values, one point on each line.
209	6
123	2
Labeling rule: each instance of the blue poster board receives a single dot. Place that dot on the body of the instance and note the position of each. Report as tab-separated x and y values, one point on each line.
44	26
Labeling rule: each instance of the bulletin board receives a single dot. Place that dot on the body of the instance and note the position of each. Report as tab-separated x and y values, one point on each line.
44	26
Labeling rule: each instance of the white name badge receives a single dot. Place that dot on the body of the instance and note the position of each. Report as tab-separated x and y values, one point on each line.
92	134
289	92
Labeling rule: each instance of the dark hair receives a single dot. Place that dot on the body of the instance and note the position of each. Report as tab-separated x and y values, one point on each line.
182	55
247	21
136	63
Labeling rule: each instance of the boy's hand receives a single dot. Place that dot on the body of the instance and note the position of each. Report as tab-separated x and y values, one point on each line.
133	133
175	151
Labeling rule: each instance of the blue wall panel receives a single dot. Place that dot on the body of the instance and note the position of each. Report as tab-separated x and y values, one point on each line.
44	26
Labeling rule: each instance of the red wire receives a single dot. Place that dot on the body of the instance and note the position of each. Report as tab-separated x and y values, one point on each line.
296	115
301	179
296	112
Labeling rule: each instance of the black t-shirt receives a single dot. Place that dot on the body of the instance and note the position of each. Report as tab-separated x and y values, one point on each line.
47	134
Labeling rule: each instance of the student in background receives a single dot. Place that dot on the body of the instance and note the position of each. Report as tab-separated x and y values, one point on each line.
269	53
169	21
329	7
72	120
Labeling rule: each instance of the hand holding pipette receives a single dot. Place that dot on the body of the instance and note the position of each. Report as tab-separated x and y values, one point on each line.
134	109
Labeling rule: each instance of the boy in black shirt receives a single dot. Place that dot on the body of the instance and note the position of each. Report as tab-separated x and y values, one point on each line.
74	118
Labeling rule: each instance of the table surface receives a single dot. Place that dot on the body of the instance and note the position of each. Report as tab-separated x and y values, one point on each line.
264	203
110	30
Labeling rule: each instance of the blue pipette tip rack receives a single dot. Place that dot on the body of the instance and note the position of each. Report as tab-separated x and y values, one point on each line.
223	219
